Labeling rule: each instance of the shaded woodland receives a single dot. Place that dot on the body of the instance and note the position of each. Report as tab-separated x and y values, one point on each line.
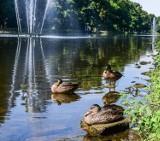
87	15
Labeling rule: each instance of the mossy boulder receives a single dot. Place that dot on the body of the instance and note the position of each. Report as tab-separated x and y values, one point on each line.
106	129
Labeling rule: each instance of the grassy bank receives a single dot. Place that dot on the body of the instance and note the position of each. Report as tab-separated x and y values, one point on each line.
145	115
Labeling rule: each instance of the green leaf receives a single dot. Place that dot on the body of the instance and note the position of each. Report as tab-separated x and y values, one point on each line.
136	128
148	111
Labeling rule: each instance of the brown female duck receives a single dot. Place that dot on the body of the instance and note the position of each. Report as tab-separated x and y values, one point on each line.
111	75
66	87
106	114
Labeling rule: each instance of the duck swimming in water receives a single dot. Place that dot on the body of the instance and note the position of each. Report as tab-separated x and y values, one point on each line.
66	87
106	114
110	75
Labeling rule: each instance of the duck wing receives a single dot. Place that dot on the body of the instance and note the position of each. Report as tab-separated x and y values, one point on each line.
113	109
67	87
117	74
106	116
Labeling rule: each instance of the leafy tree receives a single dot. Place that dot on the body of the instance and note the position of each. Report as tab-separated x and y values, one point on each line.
88	15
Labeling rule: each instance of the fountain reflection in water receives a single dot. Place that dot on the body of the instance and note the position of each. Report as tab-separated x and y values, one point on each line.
24	77
14	75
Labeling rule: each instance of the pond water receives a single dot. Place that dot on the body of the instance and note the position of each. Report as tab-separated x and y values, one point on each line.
29	66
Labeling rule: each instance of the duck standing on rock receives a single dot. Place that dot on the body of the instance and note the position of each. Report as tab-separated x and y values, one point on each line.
106	114
66	87
110	75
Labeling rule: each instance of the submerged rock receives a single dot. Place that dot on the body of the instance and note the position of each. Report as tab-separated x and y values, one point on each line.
147	73
138	66
144	63
106	129
139	85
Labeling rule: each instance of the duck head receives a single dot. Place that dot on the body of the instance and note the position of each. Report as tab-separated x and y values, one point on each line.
108	67
95	108
59	81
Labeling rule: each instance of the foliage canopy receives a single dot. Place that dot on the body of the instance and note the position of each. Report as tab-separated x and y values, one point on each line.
87	15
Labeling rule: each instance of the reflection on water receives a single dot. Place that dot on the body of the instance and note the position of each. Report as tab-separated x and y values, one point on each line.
25	72
32	65
110	97
64	98
127	135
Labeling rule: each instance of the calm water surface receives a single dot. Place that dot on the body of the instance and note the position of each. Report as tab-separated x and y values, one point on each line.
29	66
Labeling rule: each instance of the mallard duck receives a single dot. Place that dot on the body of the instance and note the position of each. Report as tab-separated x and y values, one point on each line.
66	87
106	114
110	75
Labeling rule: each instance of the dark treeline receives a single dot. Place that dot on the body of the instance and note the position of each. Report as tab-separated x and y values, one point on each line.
7	14
87	15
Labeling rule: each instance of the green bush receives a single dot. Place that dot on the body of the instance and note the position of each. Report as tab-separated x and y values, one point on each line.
145	114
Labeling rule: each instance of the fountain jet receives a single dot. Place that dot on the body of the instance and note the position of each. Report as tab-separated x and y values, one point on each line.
30	15
154	26
153	29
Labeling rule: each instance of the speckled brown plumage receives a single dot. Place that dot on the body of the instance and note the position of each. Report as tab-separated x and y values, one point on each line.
106	114
66	87
111	75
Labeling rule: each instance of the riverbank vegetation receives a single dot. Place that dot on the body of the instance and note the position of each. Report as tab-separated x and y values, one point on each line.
90	15
145	114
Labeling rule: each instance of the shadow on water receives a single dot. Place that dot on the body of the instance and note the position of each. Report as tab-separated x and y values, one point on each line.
32	65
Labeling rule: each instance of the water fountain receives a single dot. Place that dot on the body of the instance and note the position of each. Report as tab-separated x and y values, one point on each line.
153	29
37	18
31	15
153	26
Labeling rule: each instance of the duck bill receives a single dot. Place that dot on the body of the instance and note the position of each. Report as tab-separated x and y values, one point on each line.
89	112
